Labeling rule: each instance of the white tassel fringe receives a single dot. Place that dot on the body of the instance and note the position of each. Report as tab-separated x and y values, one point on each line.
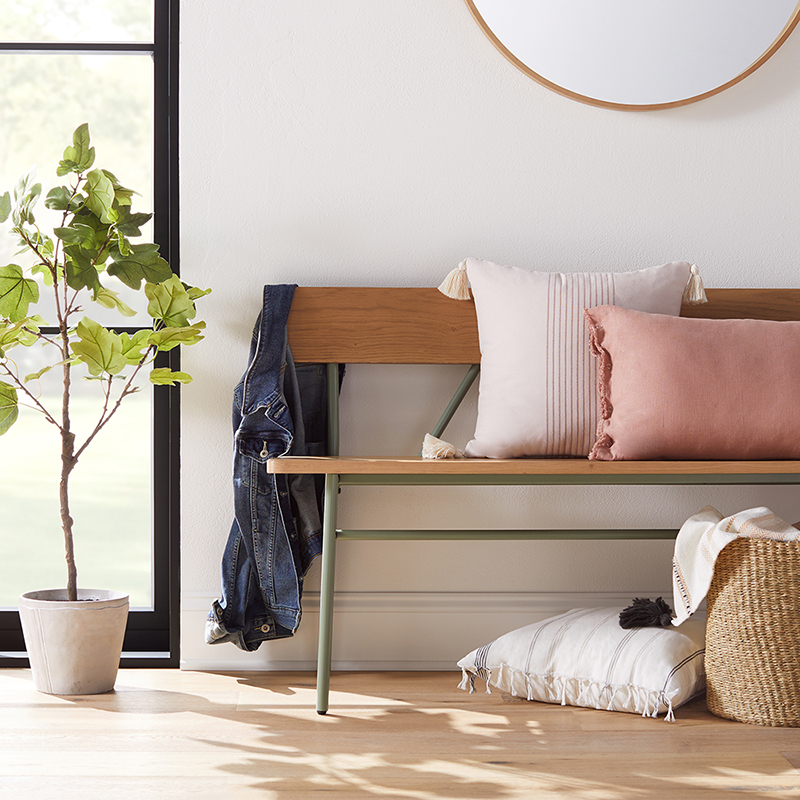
456	284
694	294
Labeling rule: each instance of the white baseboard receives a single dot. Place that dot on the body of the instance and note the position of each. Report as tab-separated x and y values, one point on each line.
389	630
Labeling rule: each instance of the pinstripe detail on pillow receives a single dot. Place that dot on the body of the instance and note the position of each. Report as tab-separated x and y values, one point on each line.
571	416
698	655
584	658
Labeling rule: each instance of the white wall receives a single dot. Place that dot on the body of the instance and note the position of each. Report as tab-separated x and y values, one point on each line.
376	143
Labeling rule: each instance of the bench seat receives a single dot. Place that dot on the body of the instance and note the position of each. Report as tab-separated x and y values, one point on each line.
534	467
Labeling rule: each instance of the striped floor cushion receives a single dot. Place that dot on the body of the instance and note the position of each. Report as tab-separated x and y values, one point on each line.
584	658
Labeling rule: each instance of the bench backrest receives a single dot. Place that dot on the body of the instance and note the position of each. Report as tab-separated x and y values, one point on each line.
366	325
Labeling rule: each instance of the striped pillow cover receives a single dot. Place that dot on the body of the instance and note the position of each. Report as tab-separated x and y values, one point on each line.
584	658
538	382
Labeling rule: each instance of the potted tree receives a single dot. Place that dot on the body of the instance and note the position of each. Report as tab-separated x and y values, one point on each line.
73	635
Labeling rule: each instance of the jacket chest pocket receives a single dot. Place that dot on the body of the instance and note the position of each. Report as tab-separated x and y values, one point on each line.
250	466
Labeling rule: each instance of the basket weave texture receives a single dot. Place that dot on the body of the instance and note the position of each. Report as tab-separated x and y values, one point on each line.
753	633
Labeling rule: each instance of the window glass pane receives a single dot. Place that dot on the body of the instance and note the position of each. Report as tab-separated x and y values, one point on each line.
72	21
110	494
44	98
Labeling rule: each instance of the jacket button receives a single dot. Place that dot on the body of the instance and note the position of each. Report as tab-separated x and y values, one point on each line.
265	628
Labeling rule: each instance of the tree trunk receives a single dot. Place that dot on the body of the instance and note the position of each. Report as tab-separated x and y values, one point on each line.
67	465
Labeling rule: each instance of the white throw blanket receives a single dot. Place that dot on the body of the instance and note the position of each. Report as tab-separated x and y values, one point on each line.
700	541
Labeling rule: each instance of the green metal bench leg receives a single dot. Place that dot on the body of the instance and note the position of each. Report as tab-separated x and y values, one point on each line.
326	592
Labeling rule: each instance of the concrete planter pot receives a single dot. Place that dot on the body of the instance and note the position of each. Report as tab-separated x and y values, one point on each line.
74	647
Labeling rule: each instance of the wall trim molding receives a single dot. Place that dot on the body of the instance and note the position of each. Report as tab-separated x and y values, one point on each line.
450	602
389	625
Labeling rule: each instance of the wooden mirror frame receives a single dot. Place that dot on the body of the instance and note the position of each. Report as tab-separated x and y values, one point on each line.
566	92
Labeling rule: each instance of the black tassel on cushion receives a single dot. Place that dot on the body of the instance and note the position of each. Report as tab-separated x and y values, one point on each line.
643	613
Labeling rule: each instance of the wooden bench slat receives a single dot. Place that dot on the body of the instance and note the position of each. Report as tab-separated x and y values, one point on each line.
346	465
780	305
357	325
370	325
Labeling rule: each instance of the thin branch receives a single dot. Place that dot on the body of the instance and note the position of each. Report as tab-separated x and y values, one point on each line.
105	244
43	337
128	389
47	417
65	215
36	404
43	260
71	307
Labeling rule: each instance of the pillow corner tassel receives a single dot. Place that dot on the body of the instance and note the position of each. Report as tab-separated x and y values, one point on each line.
456	284
694	294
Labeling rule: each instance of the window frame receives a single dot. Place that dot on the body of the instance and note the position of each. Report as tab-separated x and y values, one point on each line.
152	636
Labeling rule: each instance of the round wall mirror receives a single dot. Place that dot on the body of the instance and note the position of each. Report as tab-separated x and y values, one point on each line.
637	54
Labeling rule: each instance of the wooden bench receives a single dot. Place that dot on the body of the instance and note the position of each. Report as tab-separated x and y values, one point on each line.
422	326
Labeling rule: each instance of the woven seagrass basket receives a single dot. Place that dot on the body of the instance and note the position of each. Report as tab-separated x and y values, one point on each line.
753	633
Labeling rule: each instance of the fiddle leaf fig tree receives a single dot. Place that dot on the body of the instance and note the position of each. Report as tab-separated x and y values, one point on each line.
69	265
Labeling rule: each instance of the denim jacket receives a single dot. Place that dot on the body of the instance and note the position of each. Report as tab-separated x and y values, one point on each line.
276	532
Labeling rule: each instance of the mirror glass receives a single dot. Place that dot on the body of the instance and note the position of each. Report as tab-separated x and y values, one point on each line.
637	53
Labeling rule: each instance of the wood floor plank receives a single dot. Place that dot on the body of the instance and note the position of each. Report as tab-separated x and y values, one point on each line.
176	735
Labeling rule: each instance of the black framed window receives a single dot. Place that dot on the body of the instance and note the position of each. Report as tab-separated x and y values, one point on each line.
113	64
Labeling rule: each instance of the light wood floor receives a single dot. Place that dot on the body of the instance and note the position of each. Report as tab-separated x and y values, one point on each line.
207	736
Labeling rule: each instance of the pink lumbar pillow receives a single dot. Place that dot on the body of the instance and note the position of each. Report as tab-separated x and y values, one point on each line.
537	384
705	389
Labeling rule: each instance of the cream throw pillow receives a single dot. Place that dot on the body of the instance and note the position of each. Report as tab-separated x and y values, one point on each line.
538	381
584	658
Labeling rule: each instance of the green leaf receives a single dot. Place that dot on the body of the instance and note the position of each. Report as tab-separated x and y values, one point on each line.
133	347
26	187
94	233
42	243
167	338
75	233
130	224
5	207
58	198
100	196
123	245
16	293
18	333
44	271
170	302
81	272
121	194
8	407
111	299
26	195
164	376
34	376
98	348
143	263
80	156
195	293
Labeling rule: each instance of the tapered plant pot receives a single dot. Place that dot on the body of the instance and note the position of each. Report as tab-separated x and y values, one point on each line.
74	647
